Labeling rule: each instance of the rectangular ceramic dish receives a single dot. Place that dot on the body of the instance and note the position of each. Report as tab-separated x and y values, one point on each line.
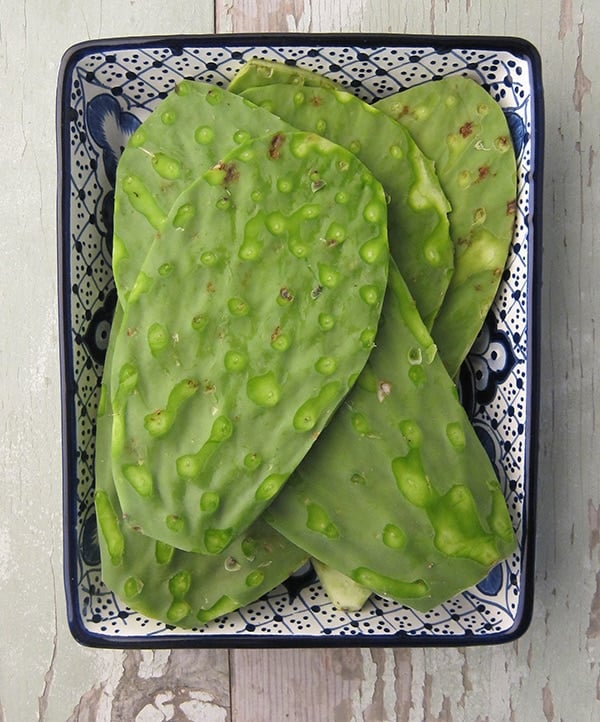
498	382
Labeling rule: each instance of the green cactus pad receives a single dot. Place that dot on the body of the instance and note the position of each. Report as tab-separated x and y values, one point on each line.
223	372
188	132
171	585
258	72
415	511
418	226
464	131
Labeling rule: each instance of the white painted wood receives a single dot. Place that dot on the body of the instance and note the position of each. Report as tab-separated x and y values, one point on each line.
552	673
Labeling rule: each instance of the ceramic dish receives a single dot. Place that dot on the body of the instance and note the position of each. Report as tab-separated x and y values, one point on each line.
105	89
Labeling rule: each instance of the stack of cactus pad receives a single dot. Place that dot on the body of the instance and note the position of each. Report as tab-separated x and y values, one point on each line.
300	276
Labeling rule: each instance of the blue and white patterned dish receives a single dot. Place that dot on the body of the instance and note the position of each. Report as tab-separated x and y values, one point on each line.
106	88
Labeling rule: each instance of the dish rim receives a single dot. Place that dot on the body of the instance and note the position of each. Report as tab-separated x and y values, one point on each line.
516	45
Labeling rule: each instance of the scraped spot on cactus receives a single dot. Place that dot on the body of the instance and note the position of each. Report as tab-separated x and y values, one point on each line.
249	548
321	126
336	233
511	208
209	502
456	435
235	361
360	423
199	322
275	146
158	423
269	487
369	294
284	185
264	390
255	578
355	146
276	223
108	523
458	530
307	416
214	96
204	134
479	216
393	537
502	144
318	520
280	341
372	250
184	215
417	375
367	338
299	99
357	478
374	212
138	137
316	292
253	460
384	389
224	203
178	610
388	586
326	321
310	210
412	433
238	306
297	247
432	254
464	179
411	478
166	167
163	552
165	269
216	540
250	250
140	478
499	518
326	365
328	275
132	587
174	523
241	136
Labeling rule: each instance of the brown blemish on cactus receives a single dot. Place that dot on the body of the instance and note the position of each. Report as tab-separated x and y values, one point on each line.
286	294
511	208
483	172
277	141
466	130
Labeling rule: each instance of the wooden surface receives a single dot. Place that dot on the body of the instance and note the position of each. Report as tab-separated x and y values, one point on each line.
553	672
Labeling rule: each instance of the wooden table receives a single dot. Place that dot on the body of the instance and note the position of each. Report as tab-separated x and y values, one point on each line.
552	673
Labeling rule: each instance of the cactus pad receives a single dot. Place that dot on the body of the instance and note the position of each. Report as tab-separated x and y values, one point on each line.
462	128
257	72
188	132
418	225
174	586
249	321
415	512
